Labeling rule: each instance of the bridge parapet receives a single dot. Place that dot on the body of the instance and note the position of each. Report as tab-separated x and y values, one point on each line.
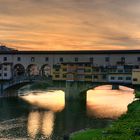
24	79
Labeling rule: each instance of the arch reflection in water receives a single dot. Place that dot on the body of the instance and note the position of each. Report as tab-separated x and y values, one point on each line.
40	123
33	126
52	100
47	124
107	103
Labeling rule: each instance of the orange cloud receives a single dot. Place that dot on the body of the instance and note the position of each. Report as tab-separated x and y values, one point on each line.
70	25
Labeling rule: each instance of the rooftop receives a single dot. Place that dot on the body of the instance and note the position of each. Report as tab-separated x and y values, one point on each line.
7	50
3	48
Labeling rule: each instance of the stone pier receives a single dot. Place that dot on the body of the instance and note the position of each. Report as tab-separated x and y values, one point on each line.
115	87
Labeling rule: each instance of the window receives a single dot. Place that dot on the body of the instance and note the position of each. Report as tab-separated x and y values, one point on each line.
5	69
123	59
95	77
136	67
70	76
61	59
80	64
76	59
128	78
80	71
18	58
103	70
128	70
120	78
0	74
80	77
138	59
64	69
87	70
5	74
64	75
96	69
47	59
57	76
112	78
104	77
64	64
135	79
88	64
32	59
120	71
56	66
5	59
112	70
91	59
88	76
71	64
57	69
107	59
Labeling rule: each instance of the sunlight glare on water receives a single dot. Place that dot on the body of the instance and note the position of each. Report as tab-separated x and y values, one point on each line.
42	122
102	102
52	100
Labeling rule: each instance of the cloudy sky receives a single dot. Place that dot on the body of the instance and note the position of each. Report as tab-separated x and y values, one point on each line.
70	24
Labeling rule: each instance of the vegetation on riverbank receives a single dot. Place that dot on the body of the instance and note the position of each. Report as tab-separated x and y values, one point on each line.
127	127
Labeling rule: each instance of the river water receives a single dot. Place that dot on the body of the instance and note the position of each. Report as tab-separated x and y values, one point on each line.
46	115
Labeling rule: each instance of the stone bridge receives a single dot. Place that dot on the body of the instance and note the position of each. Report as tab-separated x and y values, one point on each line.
76	90
23	81
115	86
73	90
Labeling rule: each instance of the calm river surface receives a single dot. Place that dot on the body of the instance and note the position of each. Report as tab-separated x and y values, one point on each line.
45	115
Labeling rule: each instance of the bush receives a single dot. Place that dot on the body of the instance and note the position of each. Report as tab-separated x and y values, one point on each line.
137	95
87	135
127	127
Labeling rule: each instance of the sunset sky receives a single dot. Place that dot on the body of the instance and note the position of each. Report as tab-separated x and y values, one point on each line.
70	24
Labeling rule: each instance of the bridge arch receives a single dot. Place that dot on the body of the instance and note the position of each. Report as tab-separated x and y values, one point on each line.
32	70
109	87
45	70
105	86
19	70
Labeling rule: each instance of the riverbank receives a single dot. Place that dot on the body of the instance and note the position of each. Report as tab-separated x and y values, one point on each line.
127	127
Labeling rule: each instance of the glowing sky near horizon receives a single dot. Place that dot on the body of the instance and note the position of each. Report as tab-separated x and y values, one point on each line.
70	24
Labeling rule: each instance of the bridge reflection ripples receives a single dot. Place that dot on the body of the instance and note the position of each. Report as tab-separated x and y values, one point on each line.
42	122
52	100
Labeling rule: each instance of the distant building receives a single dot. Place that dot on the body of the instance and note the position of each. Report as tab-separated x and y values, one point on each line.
4	48
93	66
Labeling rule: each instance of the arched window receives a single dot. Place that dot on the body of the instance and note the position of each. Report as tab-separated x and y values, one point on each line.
19	70
46	70
32	70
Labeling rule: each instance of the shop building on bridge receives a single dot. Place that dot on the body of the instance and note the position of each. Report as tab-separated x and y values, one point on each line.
120	66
